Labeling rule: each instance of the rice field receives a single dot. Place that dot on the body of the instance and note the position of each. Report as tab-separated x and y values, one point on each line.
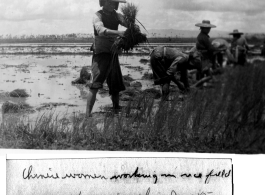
213	118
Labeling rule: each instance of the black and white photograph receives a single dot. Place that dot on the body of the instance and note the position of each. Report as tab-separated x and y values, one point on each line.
132	97
131	75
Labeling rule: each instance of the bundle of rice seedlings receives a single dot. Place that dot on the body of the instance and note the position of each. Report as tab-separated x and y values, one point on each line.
129	11
132	35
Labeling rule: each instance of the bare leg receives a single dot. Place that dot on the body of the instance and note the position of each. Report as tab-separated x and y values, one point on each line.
115	100
178	83
165	91
91	101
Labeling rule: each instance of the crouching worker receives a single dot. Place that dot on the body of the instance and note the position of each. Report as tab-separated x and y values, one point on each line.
222	47
166	62
105	63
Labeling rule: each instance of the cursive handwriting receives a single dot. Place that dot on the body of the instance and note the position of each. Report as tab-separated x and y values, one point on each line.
30	173
27	174
135	175
168	175
198	176
222	174
81	175
173	192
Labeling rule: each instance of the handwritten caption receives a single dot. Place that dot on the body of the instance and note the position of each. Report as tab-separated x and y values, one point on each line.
31	174
173	192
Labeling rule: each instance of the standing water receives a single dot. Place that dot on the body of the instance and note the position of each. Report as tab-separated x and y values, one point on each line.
47	79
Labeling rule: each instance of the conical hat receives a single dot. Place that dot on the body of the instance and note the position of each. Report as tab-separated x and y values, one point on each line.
205	24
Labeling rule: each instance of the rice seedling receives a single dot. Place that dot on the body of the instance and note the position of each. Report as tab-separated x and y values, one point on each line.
132	35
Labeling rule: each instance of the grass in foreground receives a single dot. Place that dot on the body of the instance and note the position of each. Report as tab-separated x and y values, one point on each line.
228	118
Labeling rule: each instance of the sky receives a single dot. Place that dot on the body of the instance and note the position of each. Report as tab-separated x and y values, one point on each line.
19	17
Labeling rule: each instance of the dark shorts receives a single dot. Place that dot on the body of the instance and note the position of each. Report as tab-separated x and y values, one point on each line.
242	59
106	66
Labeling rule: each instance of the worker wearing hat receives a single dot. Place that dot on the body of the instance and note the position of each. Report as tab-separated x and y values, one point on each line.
105	63
239	47
166	62
205	47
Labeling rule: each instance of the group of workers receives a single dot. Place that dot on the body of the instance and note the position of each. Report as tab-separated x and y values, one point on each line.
165	61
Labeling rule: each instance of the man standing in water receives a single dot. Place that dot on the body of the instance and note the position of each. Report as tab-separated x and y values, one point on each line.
105	63
205	47
239	47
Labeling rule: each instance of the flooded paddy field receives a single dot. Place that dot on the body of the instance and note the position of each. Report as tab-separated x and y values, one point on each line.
49	112
75	48
48	81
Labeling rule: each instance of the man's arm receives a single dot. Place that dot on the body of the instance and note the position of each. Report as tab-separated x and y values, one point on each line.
207	44
103	31
230	56
180	60
246	44
173	67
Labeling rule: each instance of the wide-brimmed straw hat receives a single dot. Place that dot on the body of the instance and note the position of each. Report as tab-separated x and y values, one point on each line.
205	24
236	32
